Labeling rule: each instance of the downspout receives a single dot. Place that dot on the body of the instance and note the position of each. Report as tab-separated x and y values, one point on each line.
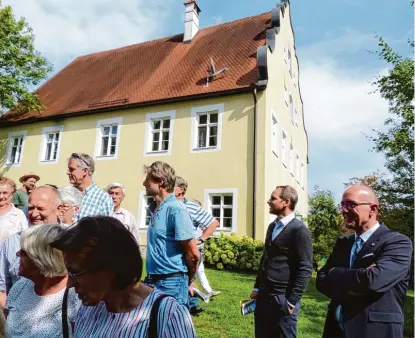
254	186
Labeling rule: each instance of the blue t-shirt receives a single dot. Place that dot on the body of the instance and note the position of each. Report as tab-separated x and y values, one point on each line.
171	224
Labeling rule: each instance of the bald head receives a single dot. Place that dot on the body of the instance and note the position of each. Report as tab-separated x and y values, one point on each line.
43	205
363	192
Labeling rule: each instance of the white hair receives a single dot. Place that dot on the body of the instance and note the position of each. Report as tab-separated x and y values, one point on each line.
70	195
116	185
35	241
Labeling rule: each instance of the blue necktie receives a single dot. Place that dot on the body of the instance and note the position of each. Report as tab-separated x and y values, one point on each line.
277	229
357	245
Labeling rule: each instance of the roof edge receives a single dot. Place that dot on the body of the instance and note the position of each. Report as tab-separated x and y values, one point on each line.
5	123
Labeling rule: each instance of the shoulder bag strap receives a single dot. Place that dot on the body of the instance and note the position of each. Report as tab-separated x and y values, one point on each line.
152	329
65	327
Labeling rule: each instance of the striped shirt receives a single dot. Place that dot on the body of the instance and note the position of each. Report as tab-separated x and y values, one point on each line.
174	320
96	202
200	217
9	262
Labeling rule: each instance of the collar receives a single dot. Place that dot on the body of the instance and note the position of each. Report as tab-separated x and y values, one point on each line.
120	211
365	236
287	219
166	200
92	186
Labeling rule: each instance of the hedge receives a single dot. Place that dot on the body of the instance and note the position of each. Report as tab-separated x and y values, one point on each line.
233	253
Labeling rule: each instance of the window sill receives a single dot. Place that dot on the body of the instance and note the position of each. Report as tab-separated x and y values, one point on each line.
104	158
205	150
284	165
275	153
12	164
158	153
291	174
48	162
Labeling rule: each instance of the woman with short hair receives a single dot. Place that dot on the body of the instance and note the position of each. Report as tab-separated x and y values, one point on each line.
105	266
12	219
71	199
34	304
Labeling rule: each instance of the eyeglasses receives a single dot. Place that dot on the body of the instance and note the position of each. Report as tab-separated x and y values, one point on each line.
351	205
76	276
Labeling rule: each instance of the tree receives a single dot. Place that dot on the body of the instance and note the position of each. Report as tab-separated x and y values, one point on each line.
21	66
325	224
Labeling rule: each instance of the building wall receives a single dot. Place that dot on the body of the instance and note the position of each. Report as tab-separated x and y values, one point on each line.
276	173
231	167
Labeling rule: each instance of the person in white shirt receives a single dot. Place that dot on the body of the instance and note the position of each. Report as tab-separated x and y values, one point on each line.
117	193
12	219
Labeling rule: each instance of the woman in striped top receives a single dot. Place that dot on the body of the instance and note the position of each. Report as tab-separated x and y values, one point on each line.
105	266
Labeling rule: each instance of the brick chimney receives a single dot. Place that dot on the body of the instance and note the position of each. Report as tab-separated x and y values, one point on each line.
191	20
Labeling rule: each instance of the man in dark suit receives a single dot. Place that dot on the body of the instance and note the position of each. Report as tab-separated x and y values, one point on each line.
285	269
366	276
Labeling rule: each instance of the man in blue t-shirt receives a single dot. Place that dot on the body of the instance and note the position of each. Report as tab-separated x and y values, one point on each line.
172	253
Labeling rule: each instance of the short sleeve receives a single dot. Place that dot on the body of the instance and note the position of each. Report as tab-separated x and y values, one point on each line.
201	216
183	225
108	206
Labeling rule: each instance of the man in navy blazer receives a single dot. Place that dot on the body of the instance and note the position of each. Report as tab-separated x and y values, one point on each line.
366	276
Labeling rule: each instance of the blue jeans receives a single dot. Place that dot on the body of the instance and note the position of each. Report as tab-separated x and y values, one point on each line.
176	286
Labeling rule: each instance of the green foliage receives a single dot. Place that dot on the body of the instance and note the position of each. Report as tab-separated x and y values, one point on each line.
325	224
233	252
21	66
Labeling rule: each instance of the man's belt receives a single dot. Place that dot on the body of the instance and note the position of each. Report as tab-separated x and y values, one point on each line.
156	278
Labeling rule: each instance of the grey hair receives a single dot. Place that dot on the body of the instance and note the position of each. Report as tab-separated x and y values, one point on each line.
116	185
35	241
181	183
161	171
288	193
84	162
70	195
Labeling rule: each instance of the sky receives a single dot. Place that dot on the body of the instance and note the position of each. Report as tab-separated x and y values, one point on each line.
334	41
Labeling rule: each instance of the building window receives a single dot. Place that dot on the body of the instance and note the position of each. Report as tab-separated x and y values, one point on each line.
51	144
145	214
297	167
274	134
289	61
222	203
15	147
108	138
292	159
302	175
284	148
159	133
286	100
296	117
291	108
207	128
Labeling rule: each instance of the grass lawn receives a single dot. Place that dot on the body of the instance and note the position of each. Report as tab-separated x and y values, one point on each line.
222	318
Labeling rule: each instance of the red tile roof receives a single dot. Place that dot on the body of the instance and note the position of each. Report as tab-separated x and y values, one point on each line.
154	71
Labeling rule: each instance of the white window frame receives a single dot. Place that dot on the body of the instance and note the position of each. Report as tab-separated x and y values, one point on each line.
220	108
13	135
302	175
297	167
148	141
289	61
42	153
208	205
286	94
291	107
296	116
275	127
292	160
284	147
142	211
98	141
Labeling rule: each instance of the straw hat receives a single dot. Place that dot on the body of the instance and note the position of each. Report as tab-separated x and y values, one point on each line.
29	175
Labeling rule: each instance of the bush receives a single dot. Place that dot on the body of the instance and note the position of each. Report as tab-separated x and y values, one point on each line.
233	253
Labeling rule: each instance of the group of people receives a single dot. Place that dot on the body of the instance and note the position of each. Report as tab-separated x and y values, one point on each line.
70	262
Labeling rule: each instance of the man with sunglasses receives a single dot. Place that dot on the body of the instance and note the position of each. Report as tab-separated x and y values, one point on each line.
96	202
366	276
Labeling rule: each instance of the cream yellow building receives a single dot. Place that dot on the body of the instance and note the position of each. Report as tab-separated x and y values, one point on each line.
222	105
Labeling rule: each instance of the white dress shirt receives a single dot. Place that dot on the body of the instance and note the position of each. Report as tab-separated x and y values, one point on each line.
127	218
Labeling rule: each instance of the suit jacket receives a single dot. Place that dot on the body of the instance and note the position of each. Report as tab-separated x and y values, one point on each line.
286	265
371	298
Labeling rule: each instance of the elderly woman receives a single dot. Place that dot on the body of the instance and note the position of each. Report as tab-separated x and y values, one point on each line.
12	219
105	266
71	199
34	304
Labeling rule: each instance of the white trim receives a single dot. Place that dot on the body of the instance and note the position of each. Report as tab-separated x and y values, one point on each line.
98	140
141	215
284	148
13	134
42	152
219	191
275	142
286	95
194	115
147	142
297	167
292	160
302	174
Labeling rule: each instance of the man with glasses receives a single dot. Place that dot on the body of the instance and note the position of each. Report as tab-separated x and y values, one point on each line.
366	276
42	209
96	202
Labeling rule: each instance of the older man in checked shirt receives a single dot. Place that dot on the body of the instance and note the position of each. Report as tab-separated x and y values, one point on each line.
96	202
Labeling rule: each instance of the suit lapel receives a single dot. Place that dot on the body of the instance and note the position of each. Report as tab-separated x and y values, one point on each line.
348	249
373	241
